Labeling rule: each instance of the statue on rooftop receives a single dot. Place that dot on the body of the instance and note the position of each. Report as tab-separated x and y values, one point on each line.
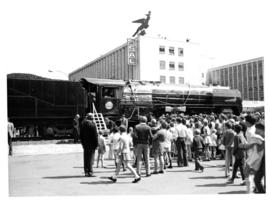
144	25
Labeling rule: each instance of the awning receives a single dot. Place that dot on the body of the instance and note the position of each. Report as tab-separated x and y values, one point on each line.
103	82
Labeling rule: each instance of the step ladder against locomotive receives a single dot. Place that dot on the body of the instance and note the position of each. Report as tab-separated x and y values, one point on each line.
99	120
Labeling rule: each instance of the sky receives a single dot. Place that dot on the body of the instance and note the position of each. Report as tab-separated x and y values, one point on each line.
63	35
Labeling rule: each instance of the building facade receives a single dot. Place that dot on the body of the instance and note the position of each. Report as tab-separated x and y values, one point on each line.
147	59
246	76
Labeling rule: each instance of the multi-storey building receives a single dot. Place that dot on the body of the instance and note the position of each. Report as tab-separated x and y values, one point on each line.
246	76
148	59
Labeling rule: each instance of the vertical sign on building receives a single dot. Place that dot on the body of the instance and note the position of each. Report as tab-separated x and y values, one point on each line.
131	46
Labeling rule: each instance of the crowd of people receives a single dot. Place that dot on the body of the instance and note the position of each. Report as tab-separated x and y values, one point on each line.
176	140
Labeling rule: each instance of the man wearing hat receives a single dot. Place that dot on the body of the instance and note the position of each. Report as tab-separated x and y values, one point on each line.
89	140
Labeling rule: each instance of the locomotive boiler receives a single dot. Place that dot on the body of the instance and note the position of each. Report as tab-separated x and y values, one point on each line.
113	98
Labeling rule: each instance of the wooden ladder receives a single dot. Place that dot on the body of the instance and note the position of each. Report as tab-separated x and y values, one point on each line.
99	120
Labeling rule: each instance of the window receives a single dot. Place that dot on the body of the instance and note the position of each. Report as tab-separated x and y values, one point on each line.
161	49
172	66
108	92
180	66
162	64
163	79
181	80
171	50
261	88
255	78
172	80
180	51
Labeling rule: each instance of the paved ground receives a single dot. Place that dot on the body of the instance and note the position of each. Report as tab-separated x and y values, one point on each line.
45	147
39	174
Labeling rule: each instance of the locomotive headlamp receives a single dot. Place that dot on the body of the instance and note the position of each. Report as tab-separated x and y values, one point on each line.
108	105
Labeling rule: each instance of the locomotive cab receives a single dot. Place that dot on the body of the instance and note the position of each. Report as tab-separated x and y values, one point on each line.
104	94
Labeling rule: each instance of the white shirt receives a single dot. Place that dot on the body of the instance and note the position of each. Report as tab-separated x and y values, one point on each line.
174	132
115	141
181	130
125	143
189	136
250	132
213	140
168	139
10	129
254	158
206	131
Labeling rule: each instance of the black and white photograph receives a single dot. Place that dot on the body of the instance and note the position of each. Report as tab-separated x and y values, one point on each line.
134	98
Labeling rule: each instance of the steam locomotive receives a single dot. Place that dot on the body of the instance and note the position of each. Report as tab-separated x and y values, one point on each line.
133	98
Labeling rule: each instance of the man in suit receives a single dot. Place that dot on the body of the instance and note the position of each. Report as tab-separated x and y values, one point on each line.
89	140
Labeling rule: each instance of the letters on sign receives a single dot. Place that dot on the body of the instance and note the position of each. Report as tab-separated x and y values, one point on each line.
131	45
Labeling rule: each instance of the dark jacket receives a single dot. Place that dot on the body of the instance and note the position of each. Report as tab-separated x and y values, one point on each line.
238	152
198	143
143	133
228	138
89	135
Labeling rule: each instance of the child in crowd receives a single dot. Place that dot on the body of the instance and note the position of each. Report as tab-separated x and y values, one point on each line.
122	152
158	148
189	140
168	147
198	146
110	136
207	139
101	149
213	144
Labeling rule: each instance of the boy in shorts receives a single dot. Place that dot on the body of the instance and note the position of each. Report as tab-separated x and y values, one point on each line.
123	156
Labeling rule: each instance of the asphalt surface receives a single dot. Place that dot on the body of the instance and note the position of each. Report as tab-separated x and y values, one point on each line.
50	173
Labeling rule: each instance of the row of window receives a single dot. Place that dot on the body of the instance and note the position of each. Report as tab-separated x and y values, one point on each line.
181	80
162	65
171	50
255	88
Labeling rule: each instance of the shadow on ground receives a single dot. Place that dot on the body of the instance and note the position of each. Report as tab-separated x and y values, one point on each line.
97	182
186	170
65	142
234	192
213	166
63	177
213	185
208	177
